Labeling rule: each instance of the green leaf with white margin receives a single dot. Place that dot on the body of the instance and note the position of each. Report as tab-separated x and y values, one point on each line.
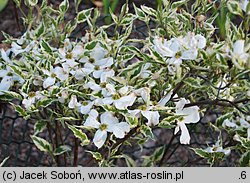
42	144
46	46
178	4
139	13
158	154
31	2
83	15
195	83
234	7
63	7
79	134
39	126
147	131
21	111
132	120
202	153
222	118
149	11
96	155
245	159
44	103
10	95
167	122
4	161
61	149
129	161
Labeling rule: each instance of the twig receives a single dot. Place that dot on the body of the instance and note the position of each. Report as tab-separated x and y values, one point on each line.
16	16
221	102
75	163
166	150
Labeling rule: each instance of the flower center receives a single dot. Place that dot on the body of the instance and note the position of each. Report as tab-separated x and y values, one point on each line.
116	96
92	60
31	94
85	103
143	107
103	85
97	68
9	74
214	148
69	55
103	127
178	55
53	75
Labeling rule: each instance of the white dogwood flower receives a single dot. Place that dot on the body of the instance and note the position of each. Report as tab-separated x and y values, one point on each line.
57	72
240	122
120	102
8	78
70	52
31	98
73	103
239	54
108	123
151	116
190	115
243	4
179	49
217	147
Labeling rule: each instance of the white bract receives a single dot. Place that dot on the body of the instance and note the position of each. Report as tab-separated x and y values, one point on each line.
189	115
239	55
108	123
217	147
178	49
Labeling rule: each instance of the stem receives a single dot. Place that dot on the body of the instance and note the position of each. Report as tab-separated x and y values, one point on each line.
61	139
16	16
75	163
166	150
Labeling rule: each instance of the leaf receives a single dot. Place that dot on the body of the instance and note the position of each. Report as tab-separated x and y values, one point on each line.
40	30
4	161
90	45
79	134
167	122
245	159
9	95
178	4
158	154
31	2
146	131
149	11
83	15
41	144
46	46
61	149
63	7
132	120
201	152
127	20
20	111
39	126
44	103
3	4
129	161
222	118
96	155
234	7
139	13
195	83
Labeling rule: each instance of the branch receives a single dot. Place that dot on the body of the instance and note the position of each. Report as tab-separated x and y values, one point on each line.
221	102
